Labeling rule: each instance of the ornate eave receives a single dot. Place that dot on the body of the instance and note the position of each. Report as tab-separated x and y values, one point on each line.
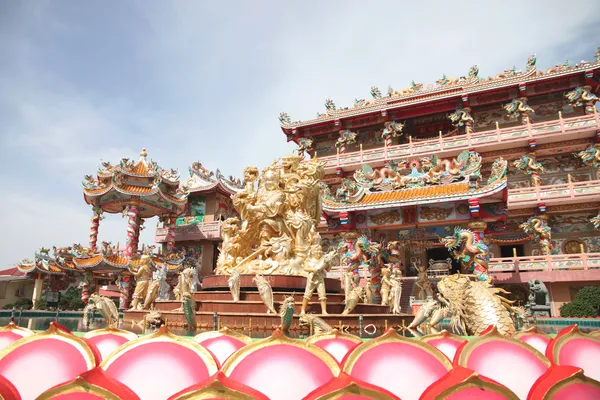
368	199
203	180
144	180
46	264
464	86
117	262
415	196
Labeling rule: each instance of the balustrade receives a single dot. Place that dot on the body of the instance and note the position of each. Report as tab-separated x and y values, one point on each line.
204	230
516	136
550	194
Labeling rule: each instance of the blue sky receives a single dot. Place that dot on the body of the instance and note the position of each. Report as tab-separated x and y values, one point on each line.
191	80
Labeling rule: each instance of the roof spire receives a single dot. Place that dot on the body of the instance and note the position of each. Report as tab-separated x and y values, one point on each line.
143	153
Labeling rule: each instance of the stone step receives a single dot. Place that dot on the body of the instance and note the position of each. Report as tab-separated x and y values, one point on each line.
278	296
258	307
262	324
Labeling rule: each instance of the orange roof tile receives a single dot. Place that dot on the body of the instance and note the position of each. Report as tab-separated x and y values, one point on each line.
86	262
140	169
136	189
408	194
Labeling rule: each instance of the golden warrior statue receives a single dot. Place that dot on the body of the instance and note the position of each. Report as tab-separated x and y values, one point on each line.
142	275
279	213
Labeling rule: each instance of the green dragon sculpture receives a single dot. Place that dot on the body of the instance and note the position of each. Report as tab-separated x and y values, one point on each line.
462	117
470	251
581	97
528	164
286	312
519	109
188	303
536	228
591	156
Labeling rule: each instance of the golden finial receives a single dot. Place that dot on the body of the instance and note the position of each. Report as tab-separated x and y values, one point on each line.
143	153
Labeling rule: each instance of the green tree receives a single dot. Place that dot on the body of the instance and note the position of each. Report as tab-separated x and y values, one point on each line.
585	304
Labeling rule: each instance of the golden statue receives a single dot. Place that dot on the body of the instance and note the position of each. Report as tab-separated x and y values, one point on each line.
316	280
266	292
105	306
279	211
386	285
142	275
395	291
184	284
354	297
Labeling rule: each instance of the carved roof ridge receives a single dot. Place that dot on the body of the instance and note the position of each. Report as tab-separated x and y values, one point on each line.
461	85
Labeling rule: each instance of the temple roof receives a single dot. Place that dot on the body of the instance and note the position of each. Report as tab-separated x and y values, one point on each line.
445	87
116	186
201	180
365	199
111	259
43	262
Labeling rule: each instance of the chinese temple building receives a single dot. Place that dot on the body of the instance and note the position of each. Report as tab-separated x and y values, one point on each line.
197	231
513	158
137	190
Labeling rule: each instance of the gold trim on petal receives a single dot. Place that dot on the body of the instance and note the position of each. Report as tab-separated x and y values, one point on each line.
531	331
474	381
53	332
444	334
391	336
224	331
276	339
79	385
111	331
16	329
215	390
335	334
577	377
492	335
575	333
163	335
352	389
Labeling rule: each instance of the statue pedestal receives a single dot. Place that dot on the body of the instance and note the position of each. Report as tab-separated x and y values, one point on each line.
215	308
278	282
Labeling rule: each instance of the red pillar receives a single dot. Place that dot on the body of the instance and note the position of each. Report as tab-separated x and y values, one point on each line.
96	218
171	234
132	227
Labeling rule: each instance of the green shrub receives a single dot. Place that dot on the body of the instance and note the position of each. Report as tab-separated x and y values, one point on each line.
589	295
577	309
23	303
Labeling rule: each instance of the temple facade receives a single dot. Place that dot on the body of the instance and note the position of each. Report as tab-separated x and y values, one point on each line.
197	231
513	159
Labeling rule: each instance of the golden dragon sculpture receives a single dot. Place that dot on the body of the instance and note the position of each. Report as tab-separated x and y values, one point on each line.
471	305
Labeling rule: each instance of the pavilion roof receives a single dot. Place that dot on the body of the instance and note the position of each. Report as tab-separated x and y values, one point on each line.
115	186
365	199
111	259
203	180
444	88
57	264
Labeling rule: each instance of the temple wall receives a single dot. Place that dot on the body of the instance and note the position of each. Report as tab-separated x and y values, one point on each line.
9	288
207	259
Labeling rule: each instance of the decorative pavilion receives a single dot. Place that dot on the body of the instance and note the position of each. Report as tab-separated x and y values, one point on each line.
514	157
197	230
137	190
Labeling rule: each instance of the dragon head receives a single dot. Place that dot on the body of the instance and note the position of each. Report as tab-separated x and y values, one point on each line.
451	288
451	242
